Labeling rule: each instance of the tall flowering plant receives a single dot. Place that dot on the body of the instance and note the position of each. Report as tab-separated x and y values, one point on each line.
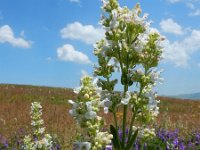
132	49
40	140
85	111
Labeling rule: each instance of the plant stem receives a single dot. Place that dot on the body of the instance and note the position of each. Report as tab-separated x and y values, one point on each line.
135	112
115	120
131	124
124	119
116	126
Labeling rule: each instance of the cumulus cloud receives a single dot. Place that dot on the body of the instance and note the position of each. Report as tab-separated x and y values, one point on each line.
170	26
7	36
179	52
86	33
193	5
68	53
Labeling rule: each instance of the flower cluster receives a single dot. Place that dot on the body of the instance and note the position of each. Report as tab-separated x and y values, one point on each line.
146	134
85	110
129	42
40	141
173	140
132	49
3	142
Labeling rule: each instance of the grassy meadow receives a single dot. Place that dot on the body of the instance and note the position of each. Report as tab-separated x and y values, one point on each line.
15	101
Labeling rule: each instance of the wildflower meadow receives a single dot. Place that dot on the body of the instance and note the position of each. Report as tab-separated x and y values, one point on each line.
95	115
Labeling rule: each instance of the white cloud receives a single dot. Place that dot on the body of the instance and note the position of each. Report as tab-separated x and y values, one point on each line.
68	53
195	13
7	36
86	33
173	1
179	52
75	1
193	5
170	26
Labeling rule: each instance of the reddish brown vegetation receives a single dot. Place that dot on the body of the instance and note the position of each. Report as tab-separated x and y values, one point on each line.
15	107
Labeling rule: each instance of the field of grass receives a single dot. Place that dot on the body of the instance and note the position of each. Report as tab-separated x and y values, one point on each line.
15	103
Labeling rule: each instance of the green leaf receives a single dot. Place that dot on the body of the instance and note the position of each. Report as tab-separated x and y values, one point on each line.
132	140
115	139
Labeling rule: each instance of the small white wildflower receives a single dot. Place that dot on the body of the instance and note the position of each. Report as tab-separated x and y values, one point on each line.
81	146
90	115
126	99
114	23
155	76
75	105
106	103
77	90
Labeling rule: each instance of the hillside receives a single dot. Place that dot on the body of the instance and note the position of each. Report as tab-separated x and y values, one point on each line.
11	93
192	96
15	107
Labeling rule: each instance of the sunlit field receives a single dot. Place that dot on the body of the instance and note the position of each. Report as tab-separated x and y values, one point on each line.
15	101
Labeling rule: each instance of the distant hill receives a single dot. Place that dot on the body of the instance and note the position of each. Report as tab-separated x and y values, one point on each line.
14	92
193	96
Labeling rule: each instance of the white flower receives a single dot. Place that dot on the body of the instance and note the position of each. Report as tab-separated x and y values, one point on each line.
38	131
81	146
97	89
127	17
139	71
105	3
28	144
114	23
73	112
152	105
77	90
106	103
35	105
90	115
38	144
138	19
74	104
153	31
155	76
48	141
147	133
143	38
108	147
89	106
126	99
41	130
103	139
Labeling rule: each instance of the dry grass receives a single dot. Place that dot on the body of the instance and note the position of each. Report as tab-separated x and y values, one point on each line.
15	107
182	114
15	104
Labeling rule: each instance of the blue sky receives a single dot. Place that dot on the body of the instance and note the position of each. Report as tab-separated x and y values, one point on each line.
50	42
